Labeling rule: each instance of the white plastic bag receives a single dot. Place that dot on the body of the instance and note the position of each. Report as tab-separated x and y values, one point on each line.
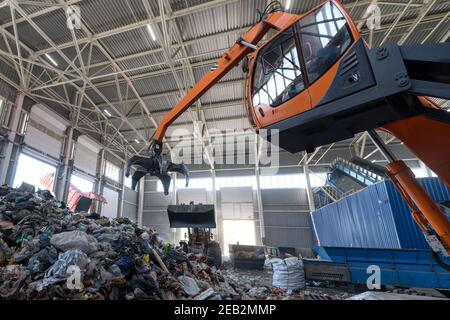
288	274
75	240
189	285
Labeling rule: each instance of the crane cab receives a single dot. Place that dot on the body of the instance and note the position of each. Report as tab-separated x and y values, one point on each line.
313	83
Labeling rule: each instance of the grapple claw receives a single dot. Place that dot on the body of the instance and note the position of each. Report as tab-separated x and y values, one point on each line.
155	165
180	168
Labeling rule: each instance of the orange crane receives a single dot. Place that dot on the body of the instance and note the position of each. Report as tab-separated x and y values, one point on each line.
315	82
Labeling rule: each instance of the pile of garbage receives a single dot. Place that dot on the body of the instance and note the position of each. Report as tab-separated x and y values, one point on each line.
48	252
258	285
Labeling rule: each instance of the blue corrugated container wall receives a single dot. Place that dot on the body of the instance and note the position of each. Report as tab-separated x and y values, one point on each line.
376	217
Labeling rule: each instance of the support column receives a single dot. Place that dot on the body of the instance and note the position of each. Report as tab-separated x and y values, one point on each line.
260	206
312	205
141	195
175	232
122	193
64	173
15	117
216	232
100	184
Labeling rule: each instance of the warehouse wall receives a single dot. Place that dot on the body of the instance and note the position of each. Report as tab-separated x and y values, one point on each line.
154	213
86	155
130	204
286	218
111	208
46	131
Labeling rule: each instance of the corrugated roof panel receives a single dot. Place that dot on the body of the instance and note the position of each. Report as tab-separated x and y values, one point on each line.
148	86
219	19
235	124
144	64
104	15
53	24
229	91
235	73
129	42
9	72
5	16
96	55
224	112
161	103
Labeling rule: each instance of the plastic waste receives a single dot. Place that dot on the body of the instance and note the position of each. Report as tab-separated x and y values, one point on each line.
189	285
288	274
74	240
58	271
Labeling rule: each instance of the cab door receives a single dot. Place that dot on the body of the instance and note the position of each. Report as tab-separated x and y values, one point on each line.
325	36
278	85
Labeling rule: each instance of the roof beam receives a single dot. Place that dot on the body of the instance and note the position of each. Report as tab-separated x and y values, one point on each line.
167	93
143	23
403	23
29	50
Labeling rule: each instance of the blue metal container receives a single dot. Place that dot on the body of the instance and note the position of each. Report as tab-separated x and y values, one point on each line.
398	267
375	217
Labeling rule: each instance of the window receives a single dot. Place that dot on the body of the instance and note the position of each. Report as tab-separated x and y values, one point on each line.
34	172
3	109
266	182
324	39
23	123
278	75
81	184
128	182
112	171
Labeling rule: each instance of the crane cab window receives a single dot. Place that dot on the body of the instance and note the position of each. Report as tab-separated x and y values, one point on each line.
325	37
278	76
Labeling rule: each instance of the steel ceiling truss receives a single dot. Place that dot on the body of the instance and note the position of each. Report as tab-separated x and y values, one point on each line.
44	82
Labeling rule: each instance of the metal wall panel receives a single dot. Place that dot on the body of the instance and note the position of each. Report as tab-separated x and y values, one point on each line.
156	201
110	209
286	218
237	195
151	185
289	237
188	195
86	159
130	204
42	142
45	131
408	232
376	217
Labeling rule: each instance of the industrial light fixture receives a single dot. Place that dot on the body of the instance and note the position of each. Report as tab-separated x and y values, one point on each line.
288	4
107	112
152	33
49	57
373	161
137	141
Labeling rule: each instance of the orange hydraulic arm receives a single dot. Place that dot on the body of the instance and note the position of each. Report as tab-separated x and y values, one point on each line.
230	59
429	140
